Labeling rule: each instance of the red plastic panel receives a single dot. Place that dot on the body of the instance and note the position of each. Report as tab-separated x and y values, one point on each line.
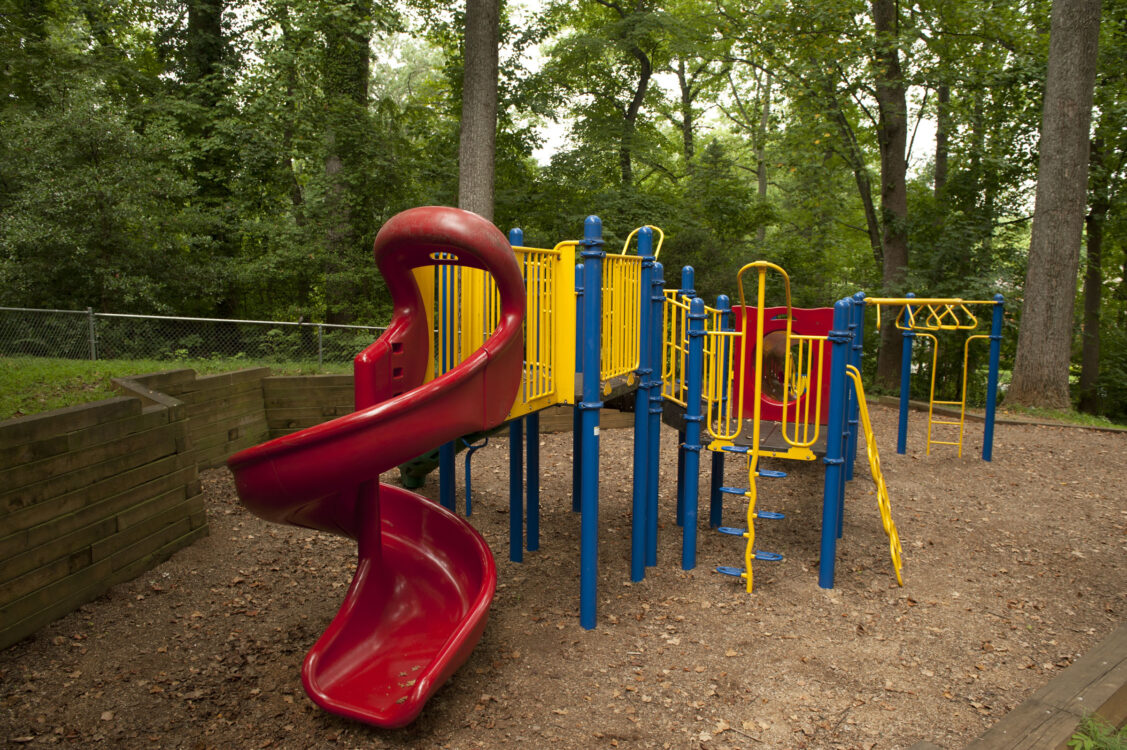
807	322
425	578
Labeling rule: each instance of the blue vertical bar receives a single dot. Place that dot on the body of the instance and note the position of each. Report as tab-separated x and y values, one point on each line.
642	411
857	331
694	385
532	483
446	476
593	255
445	452
831	508
686	292
516	493
992	377
716	497
905	383
657	311
680	512
576	429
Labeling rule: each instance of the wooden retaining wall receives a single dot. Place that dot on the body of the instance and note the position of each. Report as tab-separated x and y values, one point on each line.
94	495
225	411
296	402
90	496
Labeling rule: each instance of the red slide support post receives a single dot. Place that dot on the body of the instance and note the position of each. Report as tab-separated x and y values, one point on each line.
425	578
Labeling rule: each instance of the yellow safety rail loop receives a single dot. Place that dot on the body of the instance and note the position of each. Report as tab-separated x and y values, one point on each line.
883	502
657	248
761	268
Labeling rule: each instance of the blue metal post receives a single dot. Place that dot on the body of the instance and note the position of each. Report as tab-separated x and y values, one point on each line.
992	378
446	451
716	497
685	292
657	310
905	382
694	385
831	508
642	412
593	255
576	430
470	450
446	476
532	482
516	493
857	332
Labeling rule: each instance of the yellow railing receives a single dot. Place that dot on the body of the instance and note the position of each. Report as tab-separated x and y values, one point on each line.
923	316
467	307
884	504
622	315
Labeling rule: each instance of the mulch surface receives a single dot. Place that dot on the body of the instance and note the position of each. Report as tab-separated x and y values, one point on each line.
1012	569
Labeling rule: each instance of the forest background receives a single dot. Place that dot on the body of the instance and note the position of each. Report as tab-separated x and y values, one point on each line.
235	159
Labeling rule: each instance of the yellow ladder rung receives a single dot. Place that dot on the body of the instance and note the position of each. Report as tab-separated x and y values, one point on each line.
948	403
942	442
939	421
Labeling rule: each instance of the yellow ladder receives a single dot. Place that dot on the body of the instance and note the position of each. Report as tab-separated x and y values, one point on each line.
883	502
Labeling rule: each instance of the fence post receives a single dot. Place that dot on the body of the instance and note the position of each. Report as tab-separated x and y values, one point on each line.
320	345
93	338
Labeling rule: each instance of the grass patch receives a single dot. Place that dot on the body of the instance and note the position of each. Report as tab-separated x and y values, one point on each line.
29	385
1059	415
1094	733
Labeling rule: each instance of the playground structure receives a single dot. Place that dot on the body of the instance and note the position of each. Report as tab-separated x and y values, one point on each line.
457	360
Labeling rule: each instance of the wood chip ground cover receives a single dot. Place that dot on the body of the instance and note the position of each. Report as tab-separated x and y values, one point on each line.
1012	569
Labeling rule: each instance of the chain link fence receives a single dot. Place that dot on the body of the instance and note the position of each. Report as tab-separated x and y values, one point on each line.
85	334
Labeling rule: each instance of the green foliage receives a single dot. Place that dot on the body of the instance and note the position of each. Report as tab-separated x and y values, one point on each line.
217	157
1094	733
29	385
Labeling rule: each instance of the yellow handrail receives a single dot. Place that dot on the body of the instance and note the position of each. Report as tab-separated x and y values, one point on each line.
660	239
883	502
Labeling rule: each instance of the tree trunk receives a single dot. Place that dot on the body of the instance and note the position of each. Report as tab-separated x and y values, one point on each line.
761	155
892	135
1093	282
630	119
688	143
478	138
1045	337
942	138
346	67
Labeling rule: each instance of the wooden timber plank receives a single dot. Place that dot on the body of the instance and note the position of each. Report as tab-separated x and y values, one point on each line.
33	483
1050	716
25	521
36	545
223	380
14	432
283	381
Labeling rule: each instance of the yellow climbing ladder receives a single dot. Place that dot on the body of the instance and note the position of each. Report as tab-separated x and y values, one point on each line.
883	502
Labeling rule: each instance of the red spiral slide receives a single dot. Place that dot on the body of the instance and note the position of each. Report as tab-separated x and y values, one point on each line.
425	578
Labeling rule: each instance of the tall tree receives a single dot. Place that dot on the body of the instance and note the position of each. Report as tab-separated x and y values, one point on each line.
478	136
892	136
1044	342
346	66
